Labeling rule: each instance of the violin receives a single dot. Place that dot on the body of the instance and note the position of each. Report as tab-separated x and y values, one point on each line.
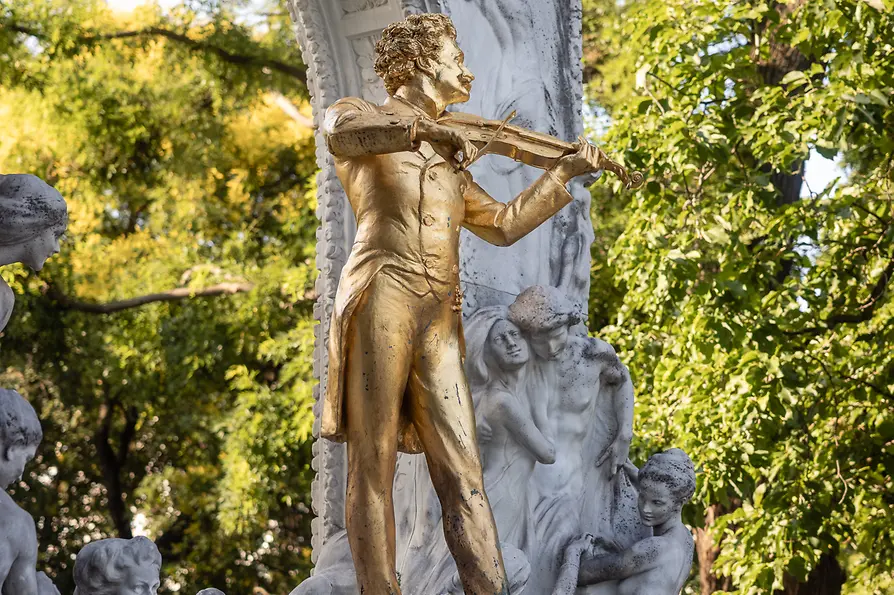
495	137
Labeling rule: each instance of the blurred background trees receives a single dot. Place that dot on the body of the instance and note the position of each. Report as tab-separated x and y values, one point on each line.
168	348
755	311
187	418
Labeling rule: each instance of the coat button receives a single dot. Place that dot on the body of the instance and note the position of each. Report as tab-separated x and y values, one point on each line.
428	221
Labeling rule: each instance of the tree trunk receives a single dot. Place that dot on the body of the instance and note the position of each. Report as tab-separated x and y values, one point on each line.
707	550
827	578
112	463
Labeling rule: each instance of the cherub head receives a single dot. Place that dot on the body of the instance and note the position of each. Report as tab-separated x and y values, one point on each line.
118	567
421	51
666	483
33	216
545	315
20	435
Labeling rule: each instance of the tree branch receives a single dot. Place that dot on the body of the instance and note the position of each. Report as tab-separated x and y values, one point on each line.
295	71
291	110
867	309
179	293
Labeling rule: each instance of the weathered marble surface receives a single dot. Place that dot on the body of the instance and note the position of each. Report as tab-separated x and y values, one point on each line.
118	567
20	435
525	55
657	564
33	216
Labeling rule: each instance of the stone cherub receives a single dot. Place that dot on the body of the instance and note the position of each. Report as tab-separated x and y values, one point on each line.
20	435
118	567
656	565
33	216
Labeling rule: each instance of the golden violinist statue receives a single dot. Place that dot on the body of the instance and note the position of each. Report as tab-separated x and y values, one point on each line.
396	379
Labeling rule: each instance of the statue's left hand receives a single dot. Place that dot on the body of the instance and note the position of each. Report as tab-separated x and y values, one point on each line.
587	159
615	454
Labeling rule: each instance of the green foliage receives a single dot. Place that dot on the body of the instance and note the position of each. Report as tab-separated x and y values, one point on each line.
190	418
758	324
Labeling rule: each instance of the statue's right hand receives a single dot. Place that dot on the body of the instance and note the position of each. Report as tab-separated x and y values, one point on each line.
447	142
484	431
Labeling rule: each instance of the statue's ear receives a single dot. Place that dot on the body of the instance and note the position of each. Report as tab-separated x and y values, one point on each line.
426	66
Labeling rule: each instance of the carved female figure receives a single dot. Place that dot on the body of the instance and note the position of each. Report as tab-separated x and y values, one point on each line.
511	443
33	216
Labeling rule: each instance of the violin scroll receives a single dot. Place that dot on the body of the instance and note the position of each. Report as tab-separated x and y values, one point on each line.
499	137
630	180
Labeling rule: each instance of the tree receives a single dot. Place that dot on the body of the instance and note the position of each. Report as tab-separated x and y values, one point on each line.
757	322
168	347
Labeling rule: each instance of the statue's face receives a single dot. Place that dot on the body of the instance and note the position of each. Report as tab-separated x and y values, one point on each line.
451	77
656	502
142	580
507	346
550	344
12	463
40	248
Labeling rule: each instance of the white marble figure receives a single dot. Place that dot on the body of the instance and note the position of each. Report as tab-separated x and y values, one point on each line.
118	567
511	442
20	435
656	565
33	216
585	405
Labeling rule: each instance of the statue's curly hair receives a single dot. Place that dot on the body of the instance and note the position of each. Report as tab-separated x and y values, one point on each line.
19	424
673	468
543	308
101	567
406	43
28	206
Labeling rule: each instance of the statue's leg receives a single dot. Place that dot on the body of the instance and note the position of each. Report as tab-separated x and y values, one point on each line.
442	410
379	355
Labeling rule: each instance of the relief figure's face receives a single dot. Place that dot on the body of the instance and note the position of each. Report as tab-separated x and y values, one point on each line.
657	504
452	79
42	247
551	343
142	580
12	463
507	346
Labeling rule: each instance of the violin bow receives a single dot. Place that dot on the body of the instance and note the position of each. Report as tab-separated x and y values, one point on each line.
496	134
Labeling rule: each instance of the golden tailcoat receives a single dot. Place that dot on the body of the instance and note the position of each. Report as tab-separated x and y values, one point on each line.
409	205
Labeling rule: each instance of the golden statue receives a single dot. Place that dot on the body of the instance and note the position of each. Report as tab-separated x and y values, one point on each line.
396	379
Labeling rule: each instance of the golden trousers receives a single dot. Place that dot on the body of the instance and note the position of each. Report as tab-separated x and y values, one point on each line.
404	354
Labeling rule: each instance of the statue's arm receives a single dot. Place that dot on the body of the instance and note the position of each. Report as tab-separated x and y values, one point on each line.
644	555
623	406
519	423
354	127
504	224
617	380
22	577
